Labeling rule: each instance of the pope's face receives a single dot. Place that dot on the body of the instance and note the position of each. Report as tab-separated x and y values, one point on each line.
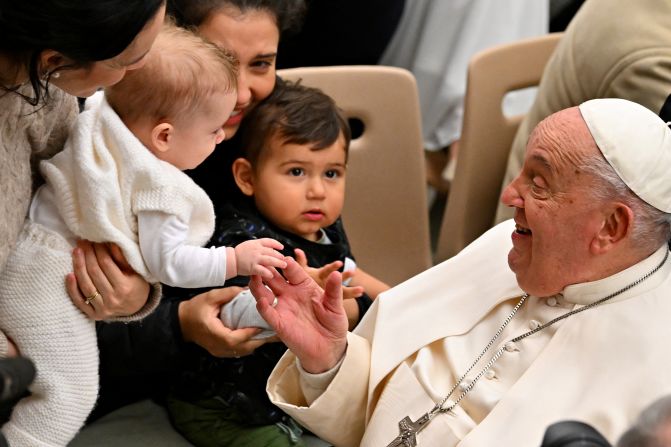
556	217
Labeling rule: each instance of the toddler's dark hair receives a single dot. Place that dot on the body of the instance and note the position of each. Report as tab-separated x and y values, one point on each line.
297	114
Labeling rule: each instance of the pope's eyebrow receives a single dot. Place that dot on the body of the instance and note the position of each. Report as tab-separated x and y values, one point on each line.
543	161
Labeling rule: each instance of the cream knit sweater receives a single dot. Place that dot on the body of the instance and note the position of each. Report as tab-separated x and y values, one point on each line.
27	134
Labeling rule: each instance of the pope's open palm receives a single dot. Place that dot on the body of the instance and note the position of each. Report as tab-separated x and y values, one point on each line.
310	320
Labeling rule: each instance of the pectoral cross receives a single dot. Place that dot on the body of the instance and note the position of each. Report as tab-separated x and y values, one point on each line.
409	430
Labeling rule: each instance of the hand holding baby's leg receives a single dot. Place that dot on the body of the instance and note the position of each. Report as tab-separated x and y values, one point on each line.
258	256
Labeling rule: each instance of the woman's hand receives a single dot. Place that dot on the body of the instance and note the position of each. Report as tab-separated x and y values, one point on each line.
103	285
200	323
310	320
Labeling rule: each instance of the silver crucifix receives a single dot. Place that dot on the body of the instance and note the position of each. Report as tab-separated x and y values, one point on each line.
409	430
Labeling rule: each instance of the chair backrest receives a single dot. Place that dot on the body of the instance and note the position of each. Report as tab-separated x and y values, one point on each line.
385	211
487	136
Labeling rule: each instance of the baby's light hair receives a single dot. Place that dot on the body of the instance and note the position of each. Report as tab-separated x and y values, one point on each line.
181	72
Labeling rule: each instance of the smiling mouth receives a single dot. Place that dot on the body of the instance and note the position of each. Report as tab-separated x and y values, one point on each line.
521	230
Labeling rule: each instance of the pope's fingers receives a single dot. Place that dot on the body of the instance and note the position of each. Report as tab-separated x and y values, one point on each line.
259	290
264	300
294	273
277	283
333	289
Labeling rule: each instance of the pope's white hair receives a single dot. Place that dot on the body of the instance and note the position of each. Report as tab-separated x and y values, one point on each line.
651	227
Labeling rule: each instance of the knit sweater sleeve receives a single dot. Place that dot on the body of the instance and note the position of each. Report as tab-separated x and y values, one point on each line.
51	127
152	304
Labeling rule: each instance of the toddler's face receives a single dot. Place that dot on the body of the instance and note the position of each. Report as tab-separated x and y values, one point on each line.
298	189
196	136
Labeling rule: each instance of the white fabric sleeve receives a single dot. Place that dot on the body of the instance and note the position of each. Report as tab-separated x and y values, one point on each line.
164	247
313	385
348	267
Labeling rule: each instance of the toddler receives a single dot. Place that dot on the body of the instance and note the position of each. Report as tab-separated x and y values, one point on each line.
119	179
292	181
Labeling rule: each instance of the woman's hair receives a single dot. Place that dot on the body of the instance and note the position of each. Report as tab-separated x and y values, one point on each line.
296	114
288	14
181	72
84	31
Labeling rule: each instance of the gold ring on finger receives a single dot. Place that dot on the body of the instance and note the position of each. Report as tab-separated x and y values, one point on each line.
89	299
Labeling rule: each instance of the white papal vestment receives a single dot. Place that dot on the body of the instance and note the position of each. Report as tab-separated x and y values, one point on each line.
601	366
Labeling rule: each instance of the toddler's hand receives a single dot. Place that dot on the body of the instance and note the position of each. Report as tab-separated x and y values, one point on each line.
255	257
319	275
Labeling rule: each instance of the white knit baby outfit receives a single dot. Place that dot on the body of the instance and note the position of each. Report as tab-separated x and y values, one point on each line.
99	183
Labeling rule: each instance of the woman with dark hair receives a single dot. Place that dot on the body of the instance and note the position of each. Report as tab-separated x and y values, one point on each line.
77	46
50	52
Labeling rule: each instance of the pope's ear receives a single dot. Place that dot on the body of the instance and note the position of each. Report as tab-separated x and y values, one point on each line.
615	228
243	173
161	136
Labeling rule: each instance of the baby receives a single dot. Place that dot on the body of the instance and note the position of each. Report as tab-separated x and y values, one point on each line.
119	179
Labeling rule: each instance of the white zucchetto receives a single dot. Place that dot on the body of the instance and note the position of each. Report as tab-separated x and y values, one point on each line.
636	143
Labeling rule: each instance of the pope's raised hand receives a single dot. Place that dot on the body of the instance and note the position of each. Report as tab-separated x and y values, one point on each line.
310	320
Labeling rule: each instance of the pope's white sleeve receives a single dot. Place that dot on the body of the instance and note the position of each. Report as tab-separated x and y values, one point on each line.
314	385
168	256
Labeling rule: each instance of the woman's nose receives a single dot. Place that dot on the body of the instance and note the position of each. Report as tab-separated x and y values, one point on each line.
244	90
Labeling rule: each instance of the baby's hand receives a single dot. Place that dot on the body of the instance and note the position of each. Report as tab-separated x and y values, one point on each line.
319	275
255	257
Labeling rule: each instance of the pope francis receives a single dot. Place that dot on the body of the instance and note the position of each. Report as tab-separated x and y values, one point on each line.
561	313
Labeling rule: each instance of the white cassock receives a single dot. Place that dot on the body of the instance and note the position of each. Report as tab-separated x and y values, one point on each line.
601	366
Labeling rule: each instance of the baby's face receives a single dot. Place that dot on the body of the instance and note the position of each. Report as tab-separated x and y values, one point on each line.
196	136
299	189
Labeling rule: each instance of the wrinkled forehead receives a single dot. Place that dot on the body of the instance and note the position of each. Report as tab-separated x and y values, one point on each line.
561	141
